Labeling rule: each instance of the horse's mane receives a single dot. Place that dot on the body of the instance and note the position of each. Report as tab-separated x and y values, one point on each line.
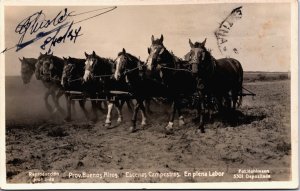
58	62
176	58
76	61
107	63
31	60
131	57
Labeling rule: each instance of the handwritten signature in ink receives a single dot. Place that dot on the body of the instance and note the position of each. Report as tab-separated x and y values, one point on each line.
35	28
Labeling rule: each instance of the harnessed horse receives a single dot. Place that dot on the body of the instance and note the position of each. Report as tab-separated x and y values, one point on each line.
72	81
98	82
222	78
129	69
48	69
180	83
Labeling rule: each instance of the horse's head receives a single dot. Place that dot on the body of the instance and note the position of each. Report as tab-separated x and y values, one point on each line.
27	69
124	62
45	66
196	56
90	63
156	52
67	71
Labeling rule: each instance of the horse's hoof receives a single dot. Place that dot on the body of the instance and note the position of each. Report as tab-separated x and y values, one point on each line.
94	120
169	131
67	119
54	111
181	122
107	124
150	112
200	131
132	129
169	126
144	123
196	120
119	120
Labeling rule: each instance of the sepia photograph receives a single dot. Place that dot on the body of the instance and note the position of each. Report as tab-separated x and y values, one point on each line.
149	94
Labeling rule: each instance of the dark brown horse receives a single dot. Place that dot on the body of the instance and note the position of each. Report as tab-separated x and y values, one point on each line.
222	78
129	73
72	80
179	83
98	83
49	70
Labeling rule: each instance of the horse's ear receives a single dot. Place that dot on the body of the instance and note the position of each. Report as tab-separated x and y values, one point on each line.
124	51
86	55
161	38
191	44
94	54
152	38
203	43
148	50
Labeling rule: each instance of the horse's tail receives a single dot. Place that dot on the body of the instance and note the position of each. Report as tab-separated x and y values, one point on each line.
240	85
240	100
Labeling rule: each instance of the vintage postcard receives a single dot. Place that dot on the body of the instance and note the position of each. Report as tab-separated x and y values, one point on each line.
149	94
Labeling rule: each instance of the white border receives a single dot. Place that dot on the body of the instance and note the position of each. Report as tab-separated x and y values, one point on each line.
294	183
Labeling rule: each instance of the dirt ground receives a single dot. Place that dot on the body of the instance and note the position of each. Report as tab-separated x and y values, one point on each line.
260	139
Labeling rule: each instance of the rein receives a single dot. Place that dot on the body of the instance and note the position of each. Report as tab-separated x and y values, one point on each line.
77	79
103	76
129	71
176	69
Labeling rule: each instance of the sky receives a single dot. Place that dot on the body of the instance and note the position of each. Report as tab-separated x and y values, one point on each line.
261	36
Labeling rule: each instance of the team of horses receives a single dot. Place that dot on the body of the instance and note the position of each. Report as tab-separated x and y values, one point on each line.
206	83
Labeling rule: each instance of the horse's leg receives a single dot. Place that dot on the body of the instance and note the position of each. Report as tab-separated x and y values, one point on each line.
99	106
73	107
53	95
172	116
94	109
210	107
144	116
147	103
110	105
82	106
220	103
57	105
68	102
181	118
201	112
134	116
234	100
119	110
129	105
48	106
